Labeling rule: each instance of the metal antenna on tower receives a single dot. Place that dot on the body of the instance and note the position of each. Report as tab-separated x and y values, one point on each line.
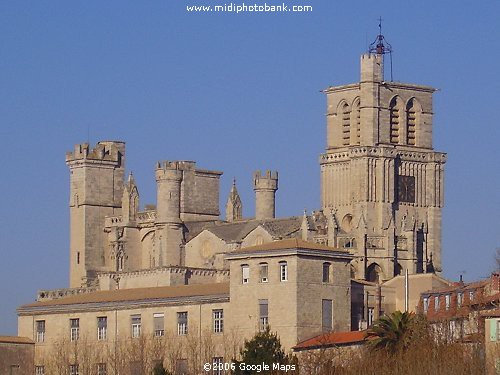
380	45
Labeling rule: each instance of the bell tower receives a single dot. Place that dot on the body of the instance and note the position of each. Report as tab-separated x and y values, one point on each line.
380	176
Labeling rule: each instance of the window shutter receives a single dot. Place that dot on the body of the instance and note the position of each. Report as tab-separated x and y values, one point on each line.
493	329
263	308
158	322
327	315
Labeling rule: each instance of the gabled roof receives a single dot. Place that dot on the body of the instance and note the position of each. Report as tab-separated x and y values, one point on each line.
332	339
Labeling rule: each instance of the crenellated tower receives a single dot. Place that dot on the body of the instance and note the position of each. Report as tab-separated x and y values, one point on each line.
265	186
96	191
380	176
168	212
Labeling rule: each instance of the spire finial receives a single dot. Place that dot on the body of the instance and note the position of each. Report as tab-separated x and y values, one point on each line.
380	45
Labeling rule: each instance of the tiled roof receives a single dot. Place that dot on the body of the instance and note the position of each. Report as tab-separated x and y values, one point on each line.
238	230
231	232
459	286
290	243
332	339
138	294
15	340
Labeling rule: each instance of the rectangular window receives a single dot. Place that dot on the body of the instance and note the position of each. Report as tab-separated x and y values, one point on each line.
40	330
245	274
371	316
471	296
74	329
181	367
39	370
136	325
326	320
283	271
136	368
426	304
326	272
460	299
73	370
159	324
102	369
263	314
102	327
436	303
182	323
218	319
264	269
447	301
217	366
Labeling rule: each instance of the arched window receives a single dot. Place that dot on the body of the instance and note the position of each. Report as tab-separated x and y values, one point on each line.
412	119
346	125
356	117
394	120
373	273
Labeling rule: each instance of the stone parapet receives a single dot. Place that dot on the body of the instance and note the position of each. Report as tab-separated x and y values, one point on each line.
46	295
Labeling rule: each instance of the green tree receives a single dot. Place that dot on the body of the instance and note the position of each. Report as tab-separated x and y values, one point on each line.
264	347
396	332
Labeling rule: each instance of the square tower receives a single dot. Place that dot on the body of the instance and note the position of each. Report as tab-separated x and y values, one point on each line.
381	180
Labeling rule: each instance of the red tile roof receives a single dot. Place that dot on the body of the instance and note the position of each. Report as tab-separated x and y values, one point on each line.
332	339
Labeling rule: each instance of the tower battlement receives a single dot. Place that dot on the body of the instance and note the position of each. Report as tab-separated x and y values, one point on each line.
113	151
265	186
267	180
169	170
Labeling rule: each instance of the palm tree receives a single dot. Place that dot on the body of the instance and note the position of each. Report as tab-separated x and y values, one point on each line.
393	332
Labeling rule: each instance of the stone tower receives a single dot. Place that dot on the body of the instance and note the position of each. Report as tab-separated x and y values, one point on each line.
381	180
265	187
96	190
168	212
234	207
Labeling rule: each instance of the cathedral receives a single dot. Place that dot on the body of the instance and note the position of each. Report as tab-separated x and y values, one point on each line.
381	197
155	271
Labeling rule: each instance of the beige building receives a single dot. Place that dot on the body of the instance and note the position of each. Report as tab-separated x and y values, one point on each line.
309	281
177	271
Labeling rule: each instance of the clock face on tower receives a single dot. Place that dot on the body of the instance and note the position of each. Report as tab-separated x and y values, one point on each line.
406	189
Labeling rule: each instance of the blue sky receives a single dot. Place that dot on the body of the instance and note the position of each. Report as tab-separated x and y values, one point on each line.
235	92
